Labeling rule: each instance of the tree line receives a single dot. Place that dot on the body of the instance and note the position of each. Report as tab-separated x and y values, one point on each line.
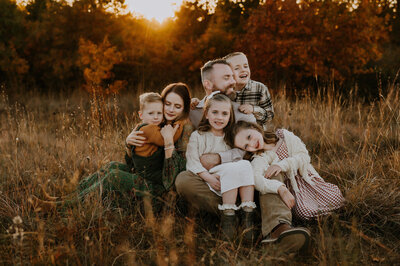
95	44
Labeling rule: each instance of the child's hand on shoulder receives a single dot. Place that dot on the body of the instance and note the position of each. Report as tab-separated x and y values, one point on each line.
246	108
193	103
286	196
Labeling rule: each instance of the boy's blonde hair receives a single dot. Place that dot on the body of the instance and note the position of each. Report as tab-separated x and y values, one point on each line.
228	56
149	97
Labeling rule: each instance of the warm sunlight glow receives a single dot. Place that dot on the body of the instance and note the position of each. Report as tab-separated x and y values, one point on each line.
157	9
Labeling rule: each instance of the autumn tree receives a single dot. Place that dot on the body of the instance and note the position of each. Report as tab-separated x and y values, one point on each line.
287	40
191	22
55	28
389	64
97	62
12	31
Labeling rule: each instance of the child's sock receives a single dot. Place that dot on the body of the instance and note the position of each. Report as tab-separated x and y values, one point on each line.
228	209
228	212
247	206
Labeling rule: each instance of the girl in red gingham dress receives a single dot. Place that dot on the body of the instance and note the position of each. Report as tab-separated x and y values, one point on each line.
308	195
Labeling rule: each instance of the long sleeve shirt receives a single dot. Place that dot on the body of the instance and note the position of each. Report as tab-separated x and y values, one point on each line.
298	162
257	94
199	144
228	155
154	139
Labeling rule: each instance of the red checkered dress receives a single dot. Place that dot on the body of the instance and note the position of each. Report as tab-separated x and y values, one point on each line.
311	200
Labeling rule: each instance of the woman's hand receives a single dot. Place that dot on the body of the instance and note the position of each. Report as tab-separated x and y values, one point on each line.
135	138
168	133
212	179
286	196
272	171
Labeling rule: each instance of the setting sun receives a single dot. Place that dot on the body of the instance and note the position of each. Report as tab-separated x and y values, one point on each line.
153	9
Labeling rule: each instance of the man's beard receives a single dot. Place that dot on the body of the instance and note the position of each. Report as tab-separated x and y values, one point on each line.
232	95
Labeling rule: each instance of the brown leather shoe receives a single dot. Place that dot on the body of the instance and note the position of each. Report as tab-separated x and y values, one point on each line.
289	239
292	243
273	236
279	230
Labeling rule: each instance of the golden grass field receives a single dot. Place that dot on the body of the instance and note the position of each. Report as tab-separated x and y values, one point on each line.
48	143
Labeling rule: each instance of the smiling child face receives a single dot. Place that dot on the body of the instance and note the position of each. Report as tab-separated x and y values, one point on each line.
218	115
241	69
249	140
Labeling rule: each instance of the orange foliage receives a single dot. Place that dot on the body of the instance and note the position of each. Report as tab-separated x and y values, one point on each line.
62	45
290	41
97	61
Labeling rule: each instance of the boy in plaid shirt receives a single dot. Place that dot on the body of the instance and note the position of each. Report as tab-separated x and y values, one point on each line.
253	96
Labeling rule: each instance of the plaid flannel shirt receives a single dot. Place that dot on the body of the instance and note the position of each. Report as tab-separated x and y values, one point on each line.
257	94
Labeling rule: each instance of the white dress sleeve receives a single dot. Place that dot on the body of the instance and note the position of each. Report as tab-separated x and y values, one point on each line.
264	185
193	163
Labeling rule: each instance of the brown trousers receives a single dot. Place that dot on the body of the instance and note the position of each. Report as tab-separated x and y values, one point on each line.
193	188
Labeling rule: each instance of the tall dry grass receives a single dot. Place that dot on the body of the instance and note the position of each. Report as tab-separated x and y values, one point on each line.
48	143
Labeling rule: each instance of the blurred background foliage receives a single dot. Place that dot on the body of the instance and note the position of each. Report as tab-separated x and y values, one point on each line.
299	44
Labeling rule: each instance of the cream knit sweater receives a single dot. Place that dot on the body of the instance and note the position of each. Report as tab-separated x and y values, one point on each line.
297	162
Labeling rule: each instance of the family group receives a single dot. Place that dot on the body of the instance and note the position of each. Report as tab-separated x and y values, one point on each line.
223	155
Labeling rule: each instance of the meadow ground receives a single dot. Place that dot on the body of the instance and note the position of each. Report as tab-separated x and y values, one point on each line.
48	143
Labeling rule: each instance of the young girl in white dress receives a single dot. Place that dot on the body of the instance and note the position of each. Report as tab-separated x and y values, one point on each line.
304	191
228	179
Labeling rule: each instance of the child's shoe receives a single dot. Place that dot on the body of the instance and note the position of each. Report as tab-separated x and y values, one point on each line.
228	221
247	218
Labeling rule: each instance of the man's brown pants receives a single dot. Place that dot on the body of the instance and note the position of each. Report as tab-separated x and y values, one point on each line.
195	190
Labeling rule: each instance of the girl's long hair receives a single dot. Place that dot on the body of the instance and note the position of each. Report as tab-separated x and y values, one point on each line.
204	125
